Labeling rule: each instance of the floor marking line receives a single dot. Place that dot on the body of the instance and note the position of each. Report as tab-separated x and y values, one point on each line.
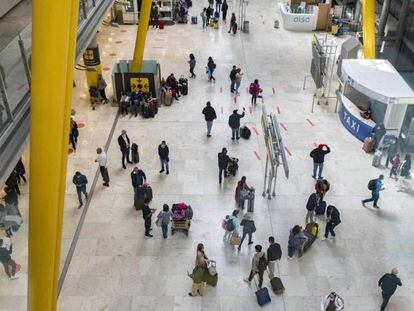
262	100
255	130
278	110
251	110
288	151
273	90
235	99
283	126
256	154
310	122
221	89
222	110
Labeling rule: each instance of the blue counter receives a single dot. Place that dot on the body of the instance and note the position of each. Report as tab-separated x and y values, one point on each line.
352	121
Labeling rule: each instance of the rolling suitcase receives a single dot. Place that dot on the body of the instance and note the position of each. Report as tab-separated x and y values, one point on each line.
376	160
148	192
250	202
368	144
168	98
193	19
216	25
263	296
134	153
277	285
161	25
320	209
309	240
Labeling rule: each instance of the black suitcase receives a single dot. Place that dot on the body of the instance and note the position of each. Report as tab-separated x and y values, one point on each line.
309	241
134	153
148	192
277	285
138	202
320	209
183	85
245	132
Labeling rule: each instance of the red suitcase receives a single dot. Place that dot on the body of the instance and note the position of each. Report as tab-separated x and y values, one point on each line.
160	24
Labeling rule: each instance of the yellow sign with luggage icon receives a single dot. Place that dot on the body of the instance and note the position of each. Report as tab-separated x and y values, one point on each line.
139	84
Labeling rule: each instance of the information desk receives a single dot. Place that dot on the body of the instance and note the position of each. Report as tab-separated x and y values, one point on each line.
299	21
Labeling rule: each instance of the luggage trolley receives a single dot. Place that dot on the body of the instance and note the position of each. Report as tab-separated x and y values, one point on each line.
181	220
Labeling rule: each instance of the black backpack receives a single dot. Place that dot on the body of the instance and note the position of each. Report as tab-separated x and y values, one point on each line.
230	225
245	132
262	265
371	184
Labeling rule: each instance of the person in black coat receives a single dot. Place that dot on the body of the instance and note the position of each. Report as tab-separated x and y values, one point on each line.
209	115
138	177
333	220
163	153
124	144
232	77
388	283
73	134
404	171
12	181
11	196
233	24
234	123
318	155
313	201
173	84
147	214
223	161
80	182
224	8
378	133
20	170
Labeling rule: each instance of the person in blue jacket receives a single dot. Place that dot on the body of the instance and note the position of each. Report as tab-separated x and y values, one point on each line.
375	192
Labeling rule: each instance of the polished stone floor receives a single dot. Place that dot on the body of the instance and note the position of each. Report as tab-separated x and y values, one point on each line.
115	267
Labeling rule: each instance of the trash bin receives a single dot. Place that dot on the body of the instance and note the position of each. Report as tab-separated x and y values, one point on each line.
246	26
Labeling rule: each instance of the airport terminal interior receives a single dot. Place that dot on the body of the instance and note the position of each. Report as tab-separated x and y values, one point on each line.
326	82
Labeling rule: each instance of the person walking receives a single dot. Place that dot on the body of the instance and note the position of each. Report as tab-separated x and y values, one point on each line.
138	177
234	123
274	252
192	64
248	229
164	218
6	260
20	170
124	144
102	159
224	8
241	193
375	185
313	201
333	220
203	15
163	153
239	77
259	265
332	302
388	283
154	15
147	214
404	172
229	227
101	87
201	263
232	77
318	155
80	182
73	134
254	90
223	162
211	66
391	152
209	115
395	162
233	24
218	5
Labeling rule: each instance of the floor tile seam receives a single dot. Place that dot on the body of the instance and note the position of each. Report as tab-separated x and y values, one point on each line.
84	212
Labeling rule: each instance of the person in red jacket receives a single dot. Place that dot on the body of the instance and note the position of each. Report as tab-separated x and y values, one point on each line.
255	90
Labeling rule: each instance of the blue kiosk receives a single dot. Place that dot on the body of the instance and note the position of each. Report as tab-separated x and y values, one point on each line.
372	92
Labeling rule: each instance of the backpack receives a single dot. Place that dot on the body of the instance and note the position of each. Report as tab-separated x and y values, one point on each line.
371	184
230	225
252	88
262	265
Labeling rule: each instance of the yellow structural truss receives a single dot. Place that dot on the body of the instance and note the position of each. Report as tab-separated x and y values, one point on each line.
368	28
53	55
141	35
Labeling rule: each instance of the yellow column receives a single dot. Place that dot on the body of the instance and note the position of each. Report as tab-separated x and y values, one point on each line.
368	28
141	35
48	138
73	30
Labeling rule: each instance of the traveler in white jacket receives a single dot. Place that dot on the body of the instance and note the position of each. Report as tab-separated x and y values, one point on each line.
332	302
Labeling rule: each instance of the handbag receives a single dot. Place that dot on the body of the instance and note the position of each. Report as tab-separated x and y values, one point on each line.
212	267
158	222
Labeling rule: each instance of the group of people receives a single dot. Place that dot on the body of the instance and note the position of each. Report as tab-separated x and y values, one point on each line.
209	13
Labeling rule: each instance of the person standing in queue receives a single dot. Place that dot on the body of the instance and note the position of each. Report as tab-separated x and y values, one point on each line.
233	24
20	170
234	123
101	87
404	171
388	283
223	161
375	185
318	156
239	76
124	144
209	115
224	8
73	134
102	159
80	182
274	252
163	153
333	219
248	229
13	181
232	77
147	214
164	217
211	66
138	177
